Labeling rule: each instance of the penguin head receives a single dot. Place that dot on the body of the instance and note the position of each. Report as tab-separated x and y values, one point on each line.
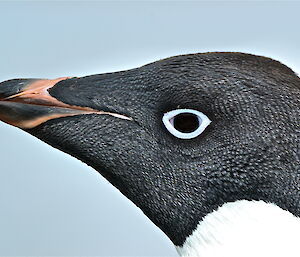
193	132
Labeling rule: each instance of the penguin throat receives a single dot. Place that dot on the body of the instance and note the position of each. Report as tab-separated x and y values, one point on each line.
244	228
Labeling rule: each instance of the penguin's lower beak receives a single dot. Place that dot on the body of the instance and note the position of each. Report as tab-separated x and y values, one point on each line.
26	103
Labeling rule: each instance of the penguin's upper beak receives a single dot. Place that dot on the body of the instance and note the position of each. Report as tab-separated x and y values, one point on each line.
26	103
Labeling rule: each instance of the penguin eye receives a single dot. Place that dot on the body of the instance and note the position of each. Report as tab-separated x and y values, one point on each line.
185	123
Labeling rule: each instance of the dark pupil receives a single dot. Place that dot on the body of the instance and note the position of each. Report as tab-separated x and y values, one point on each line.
186	122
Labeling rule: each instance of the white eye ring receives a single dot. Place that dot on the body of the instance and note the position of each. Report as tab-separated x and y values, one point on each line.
168	120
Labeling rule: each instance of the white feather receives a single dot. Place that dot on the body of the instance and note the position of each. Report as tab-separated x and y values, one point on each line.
244	229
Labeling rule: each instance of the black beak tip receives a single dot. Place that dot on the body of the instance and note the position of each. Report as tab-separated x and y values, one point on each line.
13	86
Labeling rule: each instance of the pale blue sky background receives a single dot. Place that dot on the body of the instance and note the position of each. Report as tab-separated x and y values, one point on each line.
52	204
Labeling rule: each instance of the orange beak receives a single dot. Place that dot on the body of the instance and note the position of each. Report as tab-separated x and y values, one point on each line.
26	103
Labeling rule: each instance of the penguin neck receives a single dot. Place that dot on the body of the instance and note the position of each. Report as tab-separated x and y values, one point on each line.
244	228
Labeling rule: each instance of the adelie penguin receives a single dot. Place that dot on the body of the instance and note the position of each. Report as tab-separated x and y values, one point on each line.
206	145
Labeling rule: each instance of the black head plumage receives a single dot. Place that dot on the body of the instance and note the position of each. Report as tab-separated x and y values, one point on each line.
251	149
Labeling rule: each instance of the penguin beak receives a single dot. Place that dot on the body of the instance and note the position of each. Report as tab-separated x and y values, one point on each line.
26	103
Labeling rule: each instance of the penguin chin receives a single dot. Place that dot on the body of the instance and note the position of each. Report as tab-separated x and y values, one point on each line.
244	228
